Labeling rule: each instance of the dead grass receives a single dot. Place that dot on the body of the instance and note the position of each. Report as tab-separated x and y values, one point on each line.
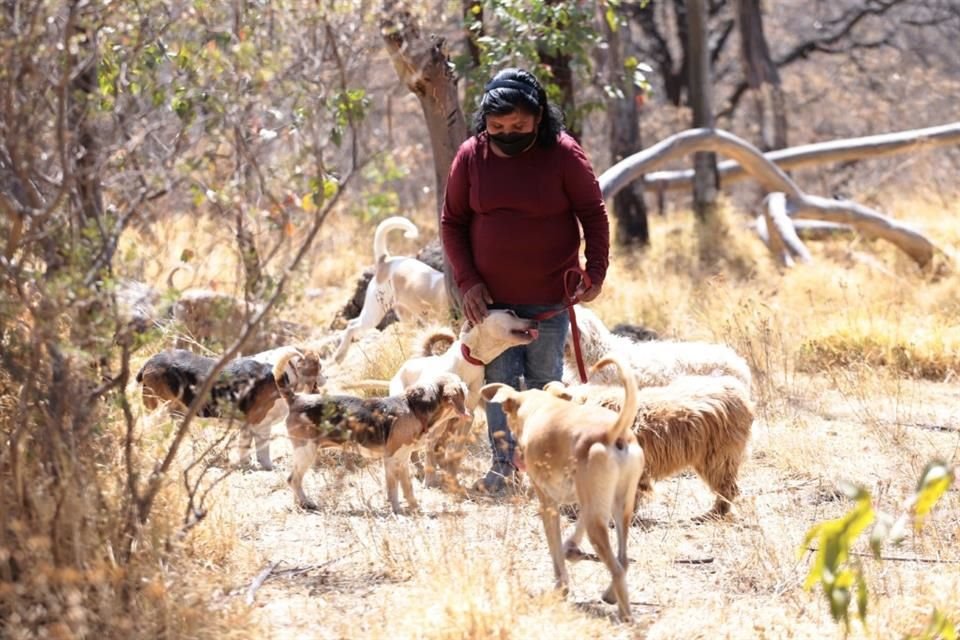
855	361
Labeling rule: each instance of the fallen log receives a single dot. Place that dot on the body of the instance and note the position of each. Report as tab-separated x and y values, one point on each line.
796	203
817	153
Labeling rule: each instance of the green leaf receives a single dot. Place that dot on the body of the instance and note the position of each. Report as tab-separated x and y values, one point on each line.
939	628
611	17
934	482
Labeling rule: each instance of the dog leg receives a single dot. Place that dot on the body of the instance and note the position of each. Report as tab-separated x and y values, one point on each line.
571	547
550	514
721	477
597	533
304	453
403	468
391	466
242	454
435	445
370	316
623	509
261	437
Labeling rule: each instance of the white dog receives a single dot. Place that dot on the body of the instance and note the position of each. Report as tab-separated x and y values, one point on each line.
406	285
655	363
466	357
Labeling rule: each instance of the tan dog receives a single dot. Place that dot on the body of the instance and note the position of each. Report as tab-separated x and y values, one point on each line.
466	358
410	287
698	422
579	454
383	427
244	389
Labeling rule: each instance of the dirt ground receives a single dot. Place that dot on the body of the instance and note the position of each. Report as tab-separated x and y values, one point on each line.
478	567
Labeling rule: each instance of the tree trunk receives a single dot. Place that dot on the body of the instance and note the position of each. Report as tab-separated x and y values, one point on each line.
706	181
472	31
761	75
423	65
629	208
562	76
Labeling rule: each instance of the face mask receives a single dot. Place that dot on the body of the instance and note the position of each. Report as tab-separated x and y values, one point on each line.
514	143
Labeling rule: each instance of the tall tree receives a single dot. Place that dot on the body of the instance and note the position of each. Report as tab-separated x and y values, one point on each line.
558	60
762	76
706	181
623	81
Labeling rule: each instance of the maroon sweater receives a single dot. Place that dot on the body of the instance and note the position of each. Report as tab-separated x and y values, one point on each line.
511	223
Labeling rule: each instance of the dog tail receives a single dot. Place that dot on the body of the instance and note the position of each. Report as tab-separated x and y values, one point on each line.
282	380
380	250
437	342
628	412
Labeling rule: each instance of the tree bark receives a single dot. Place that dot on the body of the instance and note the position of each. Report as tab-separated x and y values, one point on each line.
629	208
423	65
706	181
798	204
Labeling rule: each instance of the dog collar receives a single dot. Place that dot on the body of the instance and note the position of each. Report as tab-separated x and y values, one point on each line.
465	352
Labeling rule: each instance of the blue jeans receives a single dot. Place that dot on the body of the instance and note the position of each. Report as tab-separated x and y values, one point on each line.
537	363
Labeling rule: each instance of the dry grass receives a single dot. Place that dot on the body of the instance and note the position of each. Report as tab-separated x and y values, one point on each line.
855	359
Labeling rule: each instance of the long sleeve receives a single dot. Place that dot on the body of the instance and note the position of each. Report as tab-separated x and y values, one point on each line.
583	190
456	218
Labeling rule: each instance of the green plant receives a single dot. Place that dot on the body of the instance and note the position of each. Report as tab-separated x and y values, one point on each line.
840	571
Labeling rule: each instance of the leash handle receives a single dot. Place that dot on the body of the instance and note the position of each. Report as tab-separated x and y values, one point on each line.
570	293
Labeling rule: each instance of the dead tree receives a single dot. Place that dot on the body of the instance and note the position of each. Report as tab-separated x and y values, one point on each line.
793	204
818	153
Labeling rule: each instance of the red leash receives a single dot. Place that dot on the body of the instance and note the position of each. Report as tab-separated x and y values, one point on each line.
569	291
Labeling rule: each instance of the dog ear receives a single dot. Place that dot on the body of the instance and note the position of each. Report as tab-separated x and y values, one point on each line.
503	394
559	390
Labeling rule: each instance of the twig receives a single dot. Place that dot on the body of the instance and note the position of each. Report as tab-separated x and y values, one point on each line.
707	560
259	580
863	554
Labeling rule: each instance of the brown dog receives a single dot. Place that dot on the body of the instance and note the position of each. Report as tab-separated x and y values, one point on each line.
575	453
388	427
698	422
245	389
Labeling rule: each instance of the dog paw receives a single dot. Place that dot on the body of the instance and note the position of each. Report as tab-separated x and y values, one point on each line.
573	553
609	596
308	506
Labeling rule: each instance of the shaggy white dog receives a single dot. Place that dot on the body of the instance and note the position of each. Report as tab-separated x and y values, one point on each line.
655	363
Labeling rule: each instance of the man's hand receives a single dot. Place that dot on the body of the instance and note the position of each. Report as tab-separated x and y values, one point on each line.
587	294
475	302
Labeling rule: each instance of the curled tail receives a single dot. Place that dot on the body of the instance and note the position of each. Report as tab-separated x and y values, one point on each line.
282	380
380	250
437	342
628	412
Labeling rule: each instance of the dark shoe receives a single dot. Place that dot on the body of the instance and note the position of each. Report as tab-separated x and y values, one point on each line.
498	478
